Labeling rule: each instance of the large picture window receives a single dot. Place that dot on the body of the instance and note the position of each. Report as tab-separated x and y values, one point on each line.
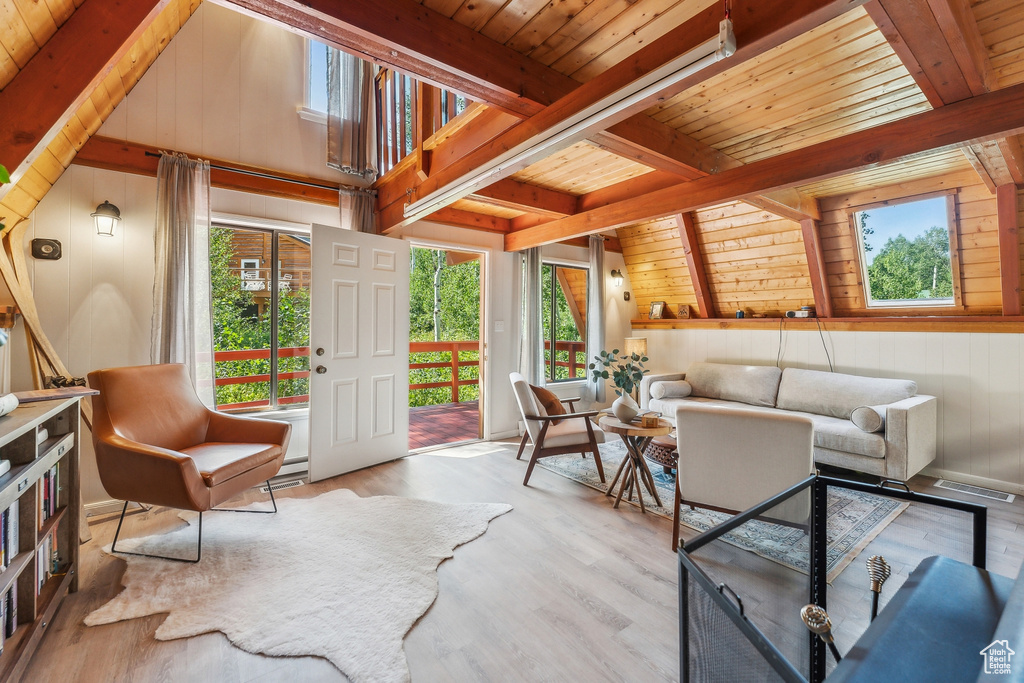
905	252
260	318
564	309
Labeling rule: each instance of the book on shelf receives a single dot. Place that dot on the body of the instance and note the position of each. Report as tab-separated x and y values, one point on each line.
5	530
10	612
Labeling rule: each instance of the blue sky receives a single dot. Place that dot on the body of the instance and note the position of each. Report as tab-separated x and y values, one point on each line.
317	76
911	219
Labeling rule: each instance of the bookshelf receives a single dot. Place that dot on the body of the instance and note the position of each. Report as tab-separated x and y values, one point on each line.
37	579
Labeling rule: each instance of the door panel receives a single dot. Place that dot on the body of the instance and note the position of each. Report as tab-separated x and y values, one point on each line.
359	410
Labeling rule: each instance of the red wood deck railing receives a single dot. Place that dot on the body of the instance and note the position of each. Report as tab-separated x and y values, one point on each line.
261	354
450	347
454	363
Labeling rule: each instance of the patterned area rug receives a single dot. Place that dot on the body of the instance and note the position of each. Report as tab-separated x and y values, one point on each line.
854	518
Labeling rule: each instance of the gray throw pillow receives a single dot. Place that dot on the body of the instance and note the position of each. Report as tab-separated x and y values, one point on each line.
675	389
869	418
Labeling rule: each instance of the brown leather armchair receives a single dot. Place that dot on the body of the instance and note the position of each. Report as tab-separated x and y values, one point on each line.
156	443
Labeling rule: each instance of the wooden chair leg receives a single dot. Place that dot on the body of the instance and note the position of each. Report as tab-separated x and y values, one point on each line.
597	461
529	469
522	445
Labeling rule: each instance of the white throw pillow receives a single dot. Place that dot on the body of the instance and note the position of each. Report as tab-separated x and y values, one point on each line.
676	389
869	418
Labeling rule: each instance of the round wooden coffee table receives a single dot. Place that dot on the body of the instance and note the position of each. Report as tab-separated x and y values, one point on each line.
633	468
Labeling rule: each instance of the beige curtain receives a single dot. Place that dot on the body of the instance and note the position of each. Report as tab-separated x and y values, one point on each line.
352	133
594	391
531	353
182	319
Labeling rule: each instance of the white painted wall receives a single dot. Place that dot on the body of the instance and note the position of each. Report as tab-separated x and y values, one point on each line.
976	377
227	87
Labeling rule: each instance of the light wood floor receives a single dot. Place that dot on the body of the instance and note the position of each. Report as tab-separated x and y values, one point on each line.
563	588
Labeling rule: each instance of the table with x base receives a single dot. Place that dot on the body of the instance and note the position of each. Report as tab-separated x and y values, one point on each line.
633	468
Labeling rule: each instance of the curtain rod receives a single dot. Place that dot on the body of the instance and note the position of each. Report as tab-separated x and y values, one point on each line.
270	176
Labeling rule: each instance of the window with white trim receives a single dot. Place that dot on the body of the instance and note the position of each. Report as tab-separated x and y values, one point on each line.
316	77
564	293
905	251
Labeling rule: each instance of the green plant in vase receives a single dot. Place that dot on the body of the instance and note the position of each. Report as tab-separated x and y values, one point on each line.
626	372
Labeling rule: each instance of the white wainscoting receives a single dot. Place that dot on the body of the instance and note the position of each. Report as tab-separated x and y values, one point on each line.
976	377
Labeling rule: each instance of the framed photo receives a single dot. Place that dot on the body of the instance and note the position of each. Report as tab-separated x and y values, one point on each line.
657	310
684	311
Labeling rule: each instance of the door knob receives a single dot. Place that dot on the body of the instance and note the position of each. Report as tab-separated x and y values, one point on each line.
320	369
319	352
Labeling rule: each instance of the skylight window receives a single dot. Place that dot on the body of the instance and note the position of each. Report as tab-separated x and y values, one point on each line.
905	253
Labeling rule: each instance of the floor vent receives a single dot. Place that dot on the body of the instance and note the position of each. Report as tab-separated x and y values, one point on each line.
283	485
975	490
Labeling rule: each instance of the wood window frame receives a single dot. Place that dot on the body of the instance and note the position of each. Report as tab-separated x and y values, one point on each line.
953	230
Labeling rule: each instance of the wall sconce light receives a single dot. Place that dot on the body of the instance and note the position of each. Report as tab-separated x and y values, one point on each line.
617	281
106	217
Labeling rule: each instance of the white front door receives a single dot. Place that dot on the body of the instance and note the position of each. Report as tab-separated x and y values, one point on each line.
359	336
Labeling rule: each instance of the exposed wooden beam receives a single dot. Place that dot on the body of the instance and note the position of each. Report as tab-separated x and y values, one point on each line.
414	39
759	28
985	117
941	45
816	267
63	74
790	203
115	155
695	264
979	167
513	194
958	26
911	29
468	219
1014	157
1009	248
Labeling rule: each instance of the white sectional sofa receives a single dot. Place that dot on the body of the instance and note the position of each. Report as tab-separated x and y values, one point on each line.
868	424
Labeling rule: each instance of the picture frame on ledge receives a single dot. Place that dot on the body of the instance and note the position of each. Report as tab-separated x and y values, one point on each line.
657	310
684	312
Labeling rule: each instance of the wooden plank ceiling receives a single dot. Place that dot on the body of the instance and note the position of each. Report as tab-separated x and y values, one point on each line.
807	74
25	32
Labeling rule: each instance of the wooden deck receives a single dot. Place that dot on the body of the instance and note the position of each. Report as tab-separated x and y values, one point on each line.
444	423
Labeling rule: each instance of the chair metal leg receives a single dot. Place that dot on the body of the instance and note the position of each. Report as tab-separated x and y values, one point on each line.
262	512
199	542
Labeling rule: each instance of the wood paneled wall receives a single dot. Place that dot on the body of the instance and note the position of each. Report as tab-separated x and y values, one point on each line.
977	236
754	260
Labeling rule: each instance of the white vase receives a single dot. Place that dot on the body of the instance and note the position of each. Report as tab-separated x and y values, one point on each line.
625	408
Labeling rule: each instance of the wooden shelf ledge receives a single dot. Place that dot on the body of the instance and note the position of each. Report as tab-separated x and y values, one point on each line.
999	324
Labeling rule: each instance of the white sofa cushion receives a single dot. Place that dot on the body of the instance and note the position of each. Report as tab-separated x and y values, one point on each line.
829	432
869	418
676	389
838	434
756	385
836	394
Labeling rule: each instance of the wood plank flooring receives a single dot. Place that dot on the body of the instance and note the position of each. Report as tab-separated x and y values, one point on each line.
563	588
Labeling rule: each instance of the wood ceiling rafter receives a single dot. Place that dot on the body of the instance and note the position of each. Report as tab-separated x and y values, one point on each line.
61	77
980	118
941	45
759	28
695	264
